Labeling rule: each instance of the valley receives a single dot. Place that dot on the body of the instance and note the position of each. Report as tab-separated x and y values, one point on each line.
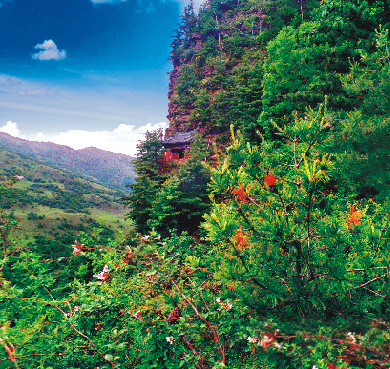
53	202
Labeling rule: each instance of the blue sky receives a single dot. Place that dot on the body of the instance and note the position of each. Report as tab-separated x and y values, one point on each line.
86	72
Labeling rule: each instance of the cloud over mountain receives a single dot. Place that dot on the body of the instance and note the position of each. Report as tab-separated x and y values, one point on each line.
49	51
12	129
123	139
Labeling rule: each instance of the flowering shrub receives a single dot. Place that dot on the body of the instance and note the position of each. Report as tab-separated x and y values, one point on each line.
291	246
104	275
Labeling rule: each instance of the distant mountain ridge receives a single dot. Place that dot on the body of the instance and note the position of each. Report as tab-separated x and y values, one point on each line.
110	169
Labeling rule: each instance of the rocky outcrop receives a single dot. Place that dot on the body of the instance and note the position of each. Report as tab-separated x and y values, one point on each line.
209	53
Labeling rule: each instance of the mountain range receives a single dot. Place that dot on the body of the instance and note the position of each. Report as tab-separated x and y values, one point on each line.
109	169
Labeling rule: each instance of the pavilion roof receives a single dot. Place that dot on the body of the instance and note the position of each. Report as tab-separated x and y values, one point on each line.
179	138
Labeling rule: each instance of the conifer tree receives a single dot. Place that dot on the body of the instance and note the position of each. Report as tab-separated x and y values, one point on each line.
183	198
364	133
147	184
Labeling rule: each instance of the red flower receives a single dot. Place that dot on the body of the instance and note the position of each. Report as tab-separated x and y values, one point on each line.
241	195
268	340
332	366
270	180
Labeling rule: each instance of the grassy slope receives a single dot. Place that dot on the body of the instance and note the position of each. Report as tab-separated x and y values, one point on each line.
51	202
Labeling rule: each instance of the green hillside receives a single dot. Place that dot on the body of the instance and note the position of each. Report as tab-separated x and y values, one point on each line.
107	168
51	202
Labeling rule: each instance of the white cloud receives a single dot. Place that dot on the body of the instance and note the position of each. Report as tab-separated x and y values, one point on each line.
49	51
33	93
12	129
122	139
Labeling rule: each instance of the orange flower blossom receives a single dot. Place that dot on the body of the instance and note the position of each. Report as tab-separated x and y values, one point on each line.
270	179
355	217
77	248
240	239
241	195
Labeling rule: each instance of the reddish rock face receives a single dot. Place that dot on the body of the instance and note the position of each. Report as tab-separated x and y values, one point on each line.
204	53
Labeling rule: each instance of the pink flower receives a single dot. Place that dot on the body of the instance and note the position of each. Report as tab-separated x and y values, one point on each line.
104	275
17	177
224	305
77	247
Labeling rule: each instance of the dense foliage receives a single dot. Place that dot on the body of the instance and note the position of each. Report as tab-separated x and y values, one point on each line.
169	196
249	62
148	180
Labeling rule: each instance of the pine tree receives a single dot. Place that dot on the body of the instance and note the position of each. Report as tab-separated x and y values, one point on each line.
148	165
183	198
363	136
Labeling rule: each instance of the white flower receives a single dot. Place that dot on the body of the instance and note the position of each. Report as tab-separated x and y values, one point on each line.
252	339
77	248
169	339
266	339
224	305
314	367
17	177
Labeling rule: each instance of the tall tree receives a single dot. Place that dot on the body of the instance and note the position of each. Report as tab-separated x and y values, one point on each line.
184	34
183	198
147	184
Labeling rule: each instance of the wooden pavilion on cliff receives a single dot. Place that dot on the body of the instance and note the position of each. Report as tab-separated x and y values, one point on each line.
177	146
